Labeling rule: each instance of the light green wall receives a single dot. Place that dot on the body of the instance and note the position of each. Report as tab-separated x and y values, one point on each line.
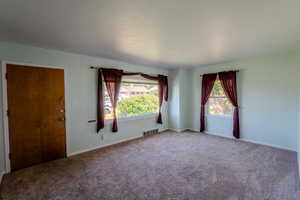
180	84
299	128
268	89
268	95
174	100
185	97
82	95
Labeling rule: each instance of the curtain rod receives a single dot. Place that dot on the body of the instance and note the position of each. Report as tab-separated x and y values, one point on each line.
93	67
222	71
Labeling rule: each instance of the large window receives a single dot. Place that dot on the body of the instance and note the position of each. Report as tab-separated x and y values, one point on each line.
138	96
218	103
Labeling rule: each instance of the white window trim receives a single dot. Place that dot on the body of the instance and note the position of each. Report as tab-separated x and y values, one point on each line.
131	118
220	116
137	117
216	115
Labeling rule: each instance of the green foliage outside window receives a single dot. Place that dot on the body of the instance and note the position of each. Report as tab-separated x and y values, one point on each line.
218	102
217	89
139	104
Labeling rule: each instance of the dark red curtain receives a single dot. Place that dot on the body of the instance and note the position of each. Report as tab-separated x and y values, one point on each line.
208	81
112	79
162	92
100	103
228	82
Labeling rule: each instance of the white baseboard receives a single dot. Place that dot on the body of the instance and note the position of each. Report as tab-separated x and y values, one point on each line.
120	141
102	146
252	141
245	140
267	144
179	130
220	135
163	129
194	130
105	145
241	139
171	129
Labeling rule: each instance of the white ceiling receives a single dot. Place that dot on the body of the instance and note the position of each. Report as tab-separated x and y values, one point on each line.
159	33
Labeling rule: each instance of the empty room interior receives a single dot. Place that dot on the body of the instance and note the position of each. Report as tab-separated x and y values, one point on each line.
149	100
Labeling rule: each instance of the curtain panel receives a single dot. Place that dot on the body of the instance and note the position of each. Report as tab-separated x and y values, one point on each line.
228	82
208	81
162	92
100	102
112	79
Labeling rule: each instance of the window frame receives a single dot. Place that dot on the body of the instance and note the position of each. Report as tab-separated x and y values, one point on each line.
131	118
217	97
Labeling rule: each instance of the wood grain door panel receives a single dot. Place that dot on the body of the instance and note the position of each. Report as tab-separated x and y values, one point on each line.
35	98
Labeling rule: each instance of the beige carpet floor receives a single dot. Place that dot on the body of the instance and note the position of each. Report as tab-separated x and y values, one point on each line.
166	166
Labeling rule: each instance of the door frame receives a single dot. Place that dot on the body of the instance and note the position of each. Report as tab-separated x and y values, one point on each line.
5	107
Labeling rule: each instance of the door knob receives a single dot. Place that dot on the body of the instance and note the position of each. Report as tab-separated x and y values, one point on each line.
61	119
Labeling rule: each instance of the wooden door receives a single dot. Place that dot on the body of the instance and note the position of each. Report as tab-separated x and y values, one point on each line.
35	115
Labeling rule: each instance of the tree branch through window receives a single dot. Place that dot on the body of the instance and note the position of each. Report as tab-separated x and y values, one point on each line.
218	103
135	98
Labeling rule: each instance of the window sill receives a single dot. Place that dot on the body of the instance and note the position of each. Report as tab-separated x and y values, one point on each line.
220	116
132	118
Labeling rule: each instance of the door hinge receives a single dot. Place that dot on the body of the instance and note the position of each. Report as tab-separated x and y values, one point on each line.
9	156
7	113
6	75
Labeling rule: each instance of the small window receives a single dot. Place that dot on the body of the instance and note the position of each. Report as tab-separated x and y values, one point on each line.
138	96
218	103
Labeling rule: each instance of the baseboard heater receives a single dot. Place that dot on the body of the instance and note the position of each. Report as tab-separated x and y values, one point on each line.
151	132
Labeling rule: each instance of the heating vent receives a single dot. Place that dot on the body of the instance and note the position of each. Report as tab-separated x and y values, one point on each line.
151	132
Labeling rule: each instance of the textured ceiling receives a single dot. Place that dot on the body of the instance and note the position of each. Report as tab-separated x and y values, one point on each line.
158	33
